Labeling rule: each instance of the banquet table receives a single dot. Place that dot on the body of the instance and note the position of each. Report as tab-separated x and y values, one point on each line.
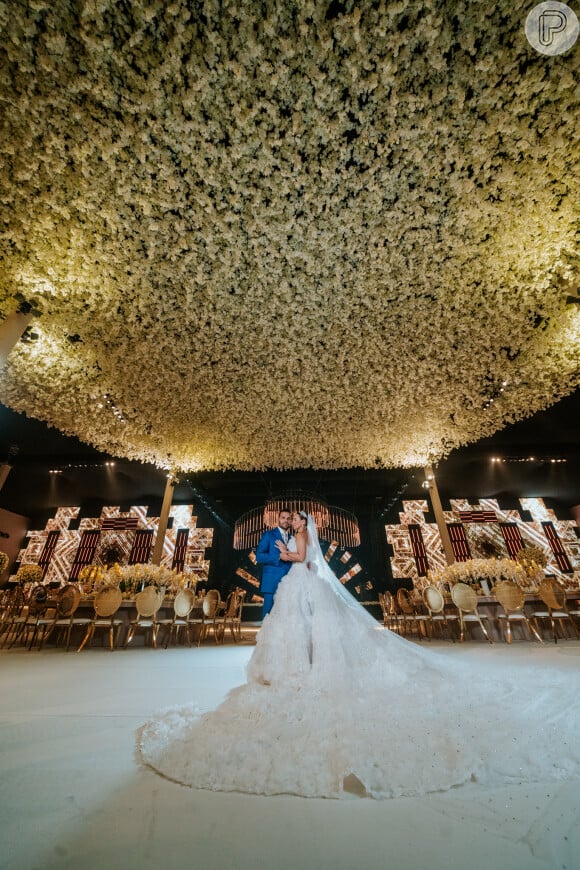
488	605
127	610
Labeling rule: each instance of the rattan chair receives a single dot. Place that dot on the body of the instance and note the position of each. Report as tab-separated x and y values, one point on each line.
435	603
232	617
147	603
182	607
465	600
554	597
410	615
106	604
512	599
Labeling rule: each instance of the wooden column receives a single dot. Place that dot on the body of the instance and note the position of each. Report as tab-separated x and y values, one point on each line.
11	330
163	518
438	511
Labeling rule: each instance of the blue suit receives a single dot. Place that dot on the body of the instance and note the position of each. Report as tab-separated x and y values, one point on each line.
268	555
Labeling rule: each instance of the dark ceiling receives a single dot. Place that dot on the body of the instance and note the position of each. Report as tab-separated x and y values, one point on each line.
32	449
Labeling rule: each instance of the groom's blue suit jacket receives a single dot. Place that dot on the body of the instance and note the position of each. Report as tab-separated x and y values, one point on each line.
268	555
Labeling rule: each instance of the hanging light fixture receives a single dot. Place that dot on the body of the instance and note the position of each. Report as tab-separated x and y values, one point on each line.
332	523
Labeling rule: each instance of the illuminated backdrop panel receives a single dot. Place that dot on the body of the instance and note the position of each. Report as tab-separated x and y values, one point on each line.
482	530
63	550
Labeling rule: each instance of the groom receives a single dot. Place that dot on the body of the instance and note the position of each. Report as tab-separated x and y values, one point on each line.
268	555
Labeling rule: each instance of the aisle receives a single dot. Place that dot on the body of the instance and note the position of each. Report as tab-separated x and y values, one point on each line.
72	793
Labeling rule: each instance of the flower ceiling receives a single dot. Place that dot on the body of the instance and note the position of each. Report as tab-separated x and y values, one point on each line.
286	234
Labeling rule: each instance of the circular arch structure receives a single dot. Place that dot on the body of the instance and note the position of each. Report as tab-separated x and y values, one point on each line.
333	523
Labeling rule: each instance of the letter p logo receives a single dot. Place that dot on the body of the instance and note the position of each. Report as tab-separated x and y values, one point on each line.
551	22
552	28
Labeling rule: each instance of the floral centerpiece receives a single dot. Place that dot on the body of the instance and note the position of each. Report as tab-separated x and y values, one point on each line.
133	578
532	556
29	574
480	573
533	560
91	576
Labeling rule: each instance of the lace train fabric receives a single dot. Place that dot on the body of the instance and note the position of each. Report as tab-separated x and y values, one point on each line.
335	704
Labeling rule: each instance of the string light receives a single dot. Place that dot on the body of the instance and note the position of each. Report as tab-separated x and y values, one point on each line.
85	465
495	393
110	403
527	459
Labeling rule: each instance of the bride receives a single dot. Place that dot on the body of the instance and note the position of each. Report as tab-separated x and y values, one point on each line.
334	703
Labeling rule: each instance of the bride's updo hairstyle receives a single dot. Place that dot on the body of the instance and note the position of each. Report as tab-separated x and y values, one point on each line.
303	516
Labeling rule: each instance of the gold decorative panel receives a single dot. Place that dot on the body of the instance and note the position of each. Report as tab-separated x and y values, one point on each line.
485	539
69	539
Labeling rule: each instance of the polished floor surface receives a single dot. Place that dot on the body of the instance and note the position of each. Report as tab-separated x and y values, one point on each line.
73	795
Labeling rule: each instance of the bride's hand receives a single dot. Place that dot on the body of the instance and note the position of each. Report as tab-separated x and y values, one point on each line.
282	548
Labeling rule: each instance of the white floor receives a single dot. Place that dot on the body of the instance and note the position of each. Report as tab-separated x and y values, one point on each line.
72	793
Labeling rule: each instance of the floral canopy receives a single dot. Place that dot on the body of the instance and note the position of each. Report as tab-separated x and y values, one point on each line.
286	234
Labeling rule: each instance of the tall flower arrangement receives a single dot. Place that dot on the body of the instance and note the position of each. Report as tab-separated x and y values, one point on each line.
474	571
134	578
533	557
29	574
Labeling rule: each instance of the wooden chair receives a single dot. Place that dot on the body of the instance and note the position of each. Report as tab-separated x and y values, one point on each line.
74	622
554	597
435	603
208	619
36	606
574	613
67	600
389	611
409	614
5	600
147	603
106	605
15	612
465	600
182	607
512	599
232	618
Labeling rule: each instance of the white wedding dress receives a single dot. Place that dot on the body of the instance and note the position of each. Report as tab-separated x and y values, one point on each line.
335	704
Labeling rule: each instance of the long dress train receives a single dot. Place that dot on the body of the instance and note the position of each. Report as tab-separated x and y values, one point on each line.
334	703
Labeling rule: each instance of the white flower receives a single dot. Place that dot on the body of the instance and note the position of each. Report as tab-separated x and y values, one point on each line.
351	230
